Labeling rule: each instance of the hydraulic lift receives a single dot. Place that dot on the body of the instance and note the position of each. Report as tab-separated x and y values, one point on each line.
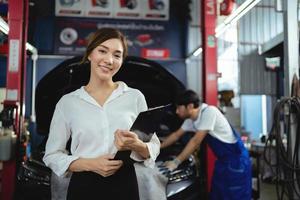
13	105
209	81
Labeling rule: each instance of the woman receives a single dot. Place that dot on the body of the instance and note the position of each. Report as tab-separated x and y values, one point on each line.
97	117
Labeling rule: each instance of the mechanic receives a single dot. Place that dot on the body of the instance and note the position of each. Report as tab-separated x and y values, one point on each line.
232	171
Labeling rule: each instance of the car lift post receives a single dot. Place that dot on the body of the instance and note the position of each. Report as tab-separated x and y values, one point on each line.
15	85
209	72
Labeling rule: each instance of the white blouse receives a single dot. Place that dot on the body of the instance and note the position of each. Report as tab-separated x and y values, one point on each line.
92	127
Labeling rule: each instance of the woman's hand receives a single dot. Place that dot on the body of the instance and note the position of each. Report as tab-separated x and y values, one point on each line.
105	165
127	140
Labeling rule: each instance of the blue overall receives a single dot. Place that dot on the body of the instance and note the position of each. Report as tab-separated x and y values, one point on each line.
232	173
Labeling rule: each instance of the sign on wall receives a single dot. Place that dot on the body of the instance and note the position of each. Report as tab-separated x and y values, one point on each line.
156	10
97	8
71	8
124	9
148	39
272	63
128	9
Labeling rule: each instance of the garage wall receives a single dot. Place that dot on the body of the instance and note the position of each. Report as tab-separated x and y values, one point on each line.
194	64
45	33
258	26
42	31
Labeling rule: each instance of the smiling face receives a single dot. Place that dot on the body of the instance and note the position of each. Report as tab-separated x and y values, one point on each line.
106	59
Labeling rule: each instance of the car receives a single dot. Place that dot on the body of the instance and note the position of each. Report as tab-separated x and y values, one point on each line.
158	85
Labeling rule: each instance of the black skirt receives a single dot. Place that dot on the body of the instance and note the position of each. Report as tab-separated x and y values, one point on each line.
90	185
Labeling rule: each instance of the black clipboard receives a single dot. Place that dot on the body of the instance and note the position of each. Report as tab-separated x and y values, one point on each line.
144	126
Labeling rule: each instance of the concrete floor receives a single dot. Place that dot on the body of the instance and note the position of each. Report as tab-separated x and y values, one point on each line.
267	191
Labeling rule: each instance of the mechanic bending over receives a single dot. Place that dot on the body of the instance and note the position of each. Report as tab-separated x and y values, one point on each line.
232	172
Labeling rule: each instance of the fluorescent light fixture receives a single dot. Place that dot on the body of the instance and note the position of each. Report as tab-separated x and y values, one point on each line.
235	16
31	48
243	12
4	28
221	29
197	51
231	19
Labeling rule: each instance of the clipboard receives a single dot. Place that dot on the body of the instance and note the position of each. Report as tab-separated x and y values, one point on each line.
148	121
145	125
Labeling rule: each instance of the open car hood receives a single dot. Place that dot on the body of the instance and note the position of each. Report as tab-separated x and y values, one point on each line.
158	85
